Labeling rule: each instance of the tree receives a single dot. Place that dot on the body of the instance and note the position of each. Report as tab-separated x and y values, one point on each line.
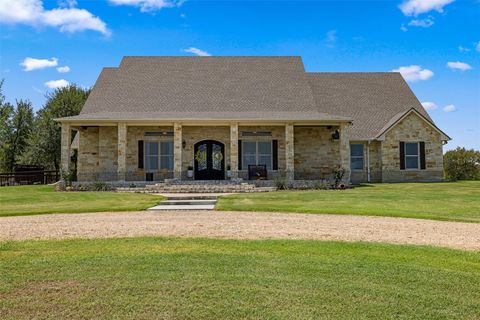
45	145
462	164
16	128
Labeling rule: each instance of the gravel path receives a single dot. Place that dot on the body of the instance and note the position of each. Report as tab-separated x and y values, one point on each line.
243	225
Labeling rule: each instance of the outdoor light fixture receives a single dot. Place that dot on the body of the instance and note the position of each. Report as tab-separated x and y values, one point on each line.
184	144
336	135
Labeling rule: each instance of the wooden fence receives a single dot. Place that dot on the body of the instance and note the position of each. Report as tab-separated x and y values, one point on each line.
28	177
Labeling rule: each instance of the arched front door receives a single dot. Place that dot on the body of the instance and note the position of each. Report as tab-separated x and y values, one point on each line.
209	160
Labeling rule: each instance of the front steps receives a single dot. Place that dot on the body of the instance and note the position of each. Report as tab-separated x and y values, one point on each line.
200	186
187	202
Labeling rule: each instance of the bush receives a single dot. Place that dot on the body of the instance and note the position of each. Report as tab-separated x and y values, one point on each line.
281	183
462	164
101	186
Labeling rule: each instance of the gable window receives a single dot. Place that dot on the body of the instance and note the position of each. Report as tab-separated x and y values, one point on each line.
257	153
158	155
356	156
412	155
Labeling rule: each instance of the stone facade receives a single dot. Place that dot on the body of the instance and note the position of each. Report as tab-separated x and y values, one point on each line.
412	129
308	152
316	153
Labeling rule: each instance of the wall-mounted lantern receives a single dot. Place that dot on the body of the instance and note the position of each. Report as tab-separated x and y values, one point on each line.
336	135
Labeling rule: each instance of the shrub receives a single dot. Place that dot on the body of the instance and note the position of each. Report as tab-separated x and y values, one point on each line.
321	185
338	174
281	183
101	186
462	164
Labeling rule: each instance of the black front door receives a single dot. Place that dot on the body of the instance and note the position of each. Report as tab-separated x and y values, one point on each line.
209	160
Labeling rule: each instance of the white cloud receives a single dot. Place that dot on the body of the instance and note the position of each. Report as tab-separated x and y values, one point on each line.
477	47
457	65
67	3
416	7
64	69
414	73
197	51
30	64
56	84
403	28
424	23
149	5
331	38
463	49
67	19
449	108
429	105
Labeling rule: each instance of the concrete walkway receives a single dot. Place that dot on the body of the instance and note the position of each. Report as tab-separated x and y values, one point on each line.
243	225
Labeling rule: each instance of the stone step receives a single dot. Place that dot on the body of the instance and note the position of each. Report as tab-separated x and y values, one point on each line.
183	207
190	202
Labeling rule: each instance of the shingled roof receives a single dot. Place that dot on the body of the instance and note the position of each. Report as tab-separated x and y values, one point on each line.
247	88
372	99
204	88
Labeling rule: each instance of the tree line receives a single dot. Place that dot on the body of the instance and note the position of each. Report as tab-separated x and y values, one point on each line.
33	138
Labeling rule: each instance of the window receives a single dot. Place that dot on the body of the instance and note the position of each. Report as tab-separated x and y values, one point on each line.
356	156
257	153
158	155
411	155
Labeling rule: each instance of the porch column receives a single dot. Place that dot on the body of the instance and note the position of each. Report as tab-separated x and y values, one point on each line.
177	150
289	153
234	150
122	152
66	142
345	150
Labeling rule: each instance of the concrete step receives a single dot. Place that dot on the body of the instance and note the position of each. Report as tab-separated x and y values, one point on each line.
190	202
183	207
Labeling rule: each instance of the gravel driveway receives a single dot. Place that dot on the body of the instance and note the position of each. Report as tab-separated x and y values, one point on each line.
243	225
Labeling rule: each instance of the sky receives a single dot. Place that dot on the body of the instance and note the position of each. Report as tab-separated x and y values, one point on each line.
435	44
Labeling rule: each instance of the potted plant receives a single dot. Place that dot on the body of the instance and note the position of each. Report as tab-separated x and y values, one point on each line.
190	171
229	171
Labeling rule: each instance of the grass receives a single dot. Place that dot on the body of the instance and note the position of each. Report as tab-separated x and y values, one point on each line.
170	278
29	200
452	201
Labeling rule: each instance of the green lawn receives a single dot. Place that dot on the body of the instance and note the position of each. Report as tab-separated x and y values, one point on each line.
146	278
455	201
28	200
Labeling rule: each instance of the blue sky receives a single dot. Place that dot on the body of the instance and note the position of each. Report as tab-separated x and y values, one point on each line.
434	43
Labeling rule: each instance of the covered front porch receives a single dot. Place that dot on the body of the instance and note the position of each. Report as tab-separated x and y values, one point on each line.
206	150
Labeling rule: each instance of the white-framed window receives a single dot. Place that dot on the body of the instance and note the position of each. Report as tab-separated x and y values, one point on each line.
158	155
412	155
257	153
356	156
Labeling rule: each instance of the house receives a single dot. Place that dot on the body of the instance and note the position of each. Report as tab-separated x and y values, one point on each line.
154	117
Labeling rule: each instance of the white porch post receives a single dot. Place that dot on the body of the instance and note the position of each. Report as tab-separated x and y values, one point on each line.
345	150
234	150
122	152
289	152
66	142
177	150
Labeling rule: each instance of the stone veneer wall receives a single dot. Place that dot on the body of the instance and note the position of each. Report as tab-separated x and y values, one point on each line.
412	129
316	155
87	158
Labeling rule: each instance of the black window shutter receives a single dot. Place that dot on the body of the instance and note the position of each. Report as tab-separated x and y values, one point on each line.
140	154
402	155
422	155
275	154
239	154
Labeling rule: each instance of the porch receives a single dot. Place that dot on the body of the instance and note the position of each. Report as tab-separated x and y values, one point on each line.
155	151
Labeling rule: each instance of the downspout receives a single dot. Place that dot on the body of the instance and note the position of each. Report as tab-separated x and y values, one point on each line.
368	160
